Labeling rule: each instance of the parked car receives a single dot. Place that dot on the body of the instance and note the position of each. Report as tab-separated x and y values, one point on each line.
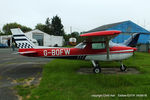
3	45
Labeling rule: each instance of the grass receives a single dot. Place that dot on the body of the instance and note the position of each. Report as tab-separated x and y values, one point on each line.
60	81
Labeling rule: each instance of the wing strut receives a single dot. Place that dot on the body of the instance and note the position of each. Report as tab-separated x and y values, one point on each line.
107	47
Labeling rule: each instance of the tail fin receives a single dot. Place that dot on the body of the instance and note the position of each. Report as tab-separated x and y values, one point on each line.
132	41
21	40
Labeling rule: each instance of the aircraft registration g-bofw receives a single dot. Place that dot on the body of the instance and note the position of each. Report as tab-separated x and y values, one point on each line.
96	47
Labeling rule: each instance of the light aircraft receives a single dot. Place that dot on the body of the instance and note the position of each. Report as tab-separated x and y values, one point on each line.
96	47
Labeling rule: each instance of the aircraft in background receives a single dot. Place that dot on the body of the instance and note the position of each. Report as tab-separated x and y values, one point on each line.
96	47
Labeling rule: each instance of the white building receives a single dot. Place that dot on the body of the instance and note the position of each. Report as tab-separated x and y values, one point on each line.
45	39
5	39
38	38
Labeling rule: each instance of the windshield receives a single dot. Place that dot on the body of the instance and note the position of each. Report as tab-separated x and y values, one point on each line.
81	45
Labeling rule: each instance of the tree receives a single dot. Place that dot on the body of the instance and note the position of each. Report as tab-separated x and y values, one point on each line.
8	26
25	29
48	28
40	27
47	23
56	26
43	28
52	27
67	36
1	33
75	34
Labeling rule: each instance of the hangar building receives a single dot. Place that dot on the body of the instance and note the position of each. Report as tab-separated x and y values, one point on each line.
128	28
37	37
45	39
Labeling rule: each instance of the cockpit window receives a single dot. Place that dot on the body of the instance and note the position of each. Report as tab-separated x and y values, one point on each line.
98	45
81	45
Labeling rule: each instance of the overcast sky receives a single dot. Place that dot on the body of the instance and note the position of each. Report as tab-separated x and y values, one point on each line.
81	15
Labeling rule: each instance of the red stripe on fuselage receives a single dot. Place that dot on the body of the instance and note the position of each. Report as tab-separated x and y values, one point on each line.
75	51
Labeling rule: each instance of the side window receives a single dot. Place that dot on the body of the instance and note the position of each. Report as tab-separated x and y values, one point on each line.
81	45
98	45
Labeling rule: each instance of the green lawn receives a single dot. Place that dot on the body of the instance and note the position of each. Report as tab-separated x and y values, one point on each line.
60	81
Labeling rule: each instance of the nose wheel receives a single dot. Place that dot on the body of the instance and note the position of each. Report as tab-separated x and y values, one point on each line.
96	66
123	67
96	70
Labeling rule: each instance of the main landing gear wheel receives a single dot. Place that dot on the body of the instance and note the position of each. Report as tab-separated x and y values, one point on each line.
96	66
96	70
123	68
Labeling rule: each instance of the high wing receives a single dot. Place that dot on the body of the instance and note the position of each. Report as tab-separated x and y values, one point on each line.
101	36
102	33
